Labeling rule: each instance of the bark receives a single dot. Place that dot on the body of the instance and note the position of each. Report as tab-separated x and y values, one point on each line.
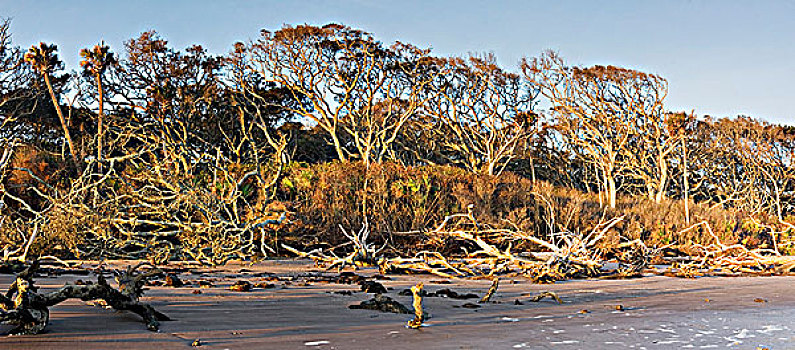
338	146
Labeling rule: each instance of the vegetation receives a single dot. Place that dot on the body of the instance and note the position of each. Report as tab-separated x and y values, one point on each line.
295	140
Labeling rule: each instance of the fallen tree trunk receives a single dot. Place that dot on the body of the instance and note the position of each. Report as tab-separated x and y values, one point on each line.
25	308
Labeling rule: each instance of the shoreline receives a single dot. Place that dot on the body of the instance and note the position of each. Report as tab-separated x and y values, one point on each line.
302	311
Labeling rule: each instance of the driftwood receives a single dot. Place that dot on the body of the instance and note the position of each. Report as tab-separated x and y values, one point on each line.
27	309
419	314
564	255
364	253
381	303
442	293
545	294
561	256
558	256
372	287
490	293
729	259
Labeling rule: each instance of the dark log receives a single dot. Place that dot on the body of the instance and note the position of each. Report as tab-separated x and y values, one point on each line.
27	309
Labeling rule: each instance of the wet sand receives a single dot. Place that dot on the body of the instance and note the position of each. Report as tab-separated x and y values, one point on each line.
658	313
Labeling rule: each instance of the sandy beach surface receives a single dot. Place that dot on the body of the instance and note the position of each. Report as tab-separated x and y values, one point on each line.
305	308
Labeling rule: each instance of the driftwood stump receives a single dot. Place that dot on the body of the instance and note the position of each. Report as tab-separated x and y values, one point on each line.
25	308
419	314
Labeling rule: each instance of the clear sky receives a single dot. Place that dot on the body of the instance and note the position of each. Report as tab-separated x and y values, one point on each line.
720	57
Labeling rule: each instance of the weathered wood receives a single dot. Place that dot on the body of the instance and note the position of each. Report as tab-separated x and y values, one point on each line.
490	293
25	308
419	314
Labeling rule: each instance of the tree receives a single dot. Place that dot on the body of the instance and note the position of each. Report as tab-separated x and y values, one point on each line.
747	164
684	125
359	92
602	110
656	136
95	62
262	129
177	96
11	83
44	60
24	117
7	66
483	114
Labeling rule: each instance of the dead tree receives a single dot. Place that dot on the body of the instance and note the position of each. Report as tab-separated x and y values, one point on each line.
561	255
364	253
26	308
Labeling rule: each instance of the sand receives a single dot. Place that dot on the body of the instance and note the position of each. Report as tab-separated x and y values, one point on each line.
658	313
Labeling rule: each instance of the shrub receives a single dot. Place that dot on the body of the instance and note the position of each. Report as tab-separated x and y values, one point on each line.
401	201
394	198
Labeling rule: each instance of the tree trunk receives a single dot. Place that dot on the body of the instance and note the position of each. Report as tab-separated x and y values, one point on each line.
611	188
601	182
686	181
337	146
100	122
777	191
492	165
62	119
663	181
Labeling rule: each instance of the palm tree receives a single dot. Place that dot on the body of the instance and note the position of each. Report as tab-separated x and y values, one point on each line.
95	62
44	60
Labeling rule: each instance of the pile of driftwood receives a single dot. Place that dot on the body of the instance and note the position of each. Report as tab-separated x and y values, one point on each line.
718	258
486	252
27	309
560	256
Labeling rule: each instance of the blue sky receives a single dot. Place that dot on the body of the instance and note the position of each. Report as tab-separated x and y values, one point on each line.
721	57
